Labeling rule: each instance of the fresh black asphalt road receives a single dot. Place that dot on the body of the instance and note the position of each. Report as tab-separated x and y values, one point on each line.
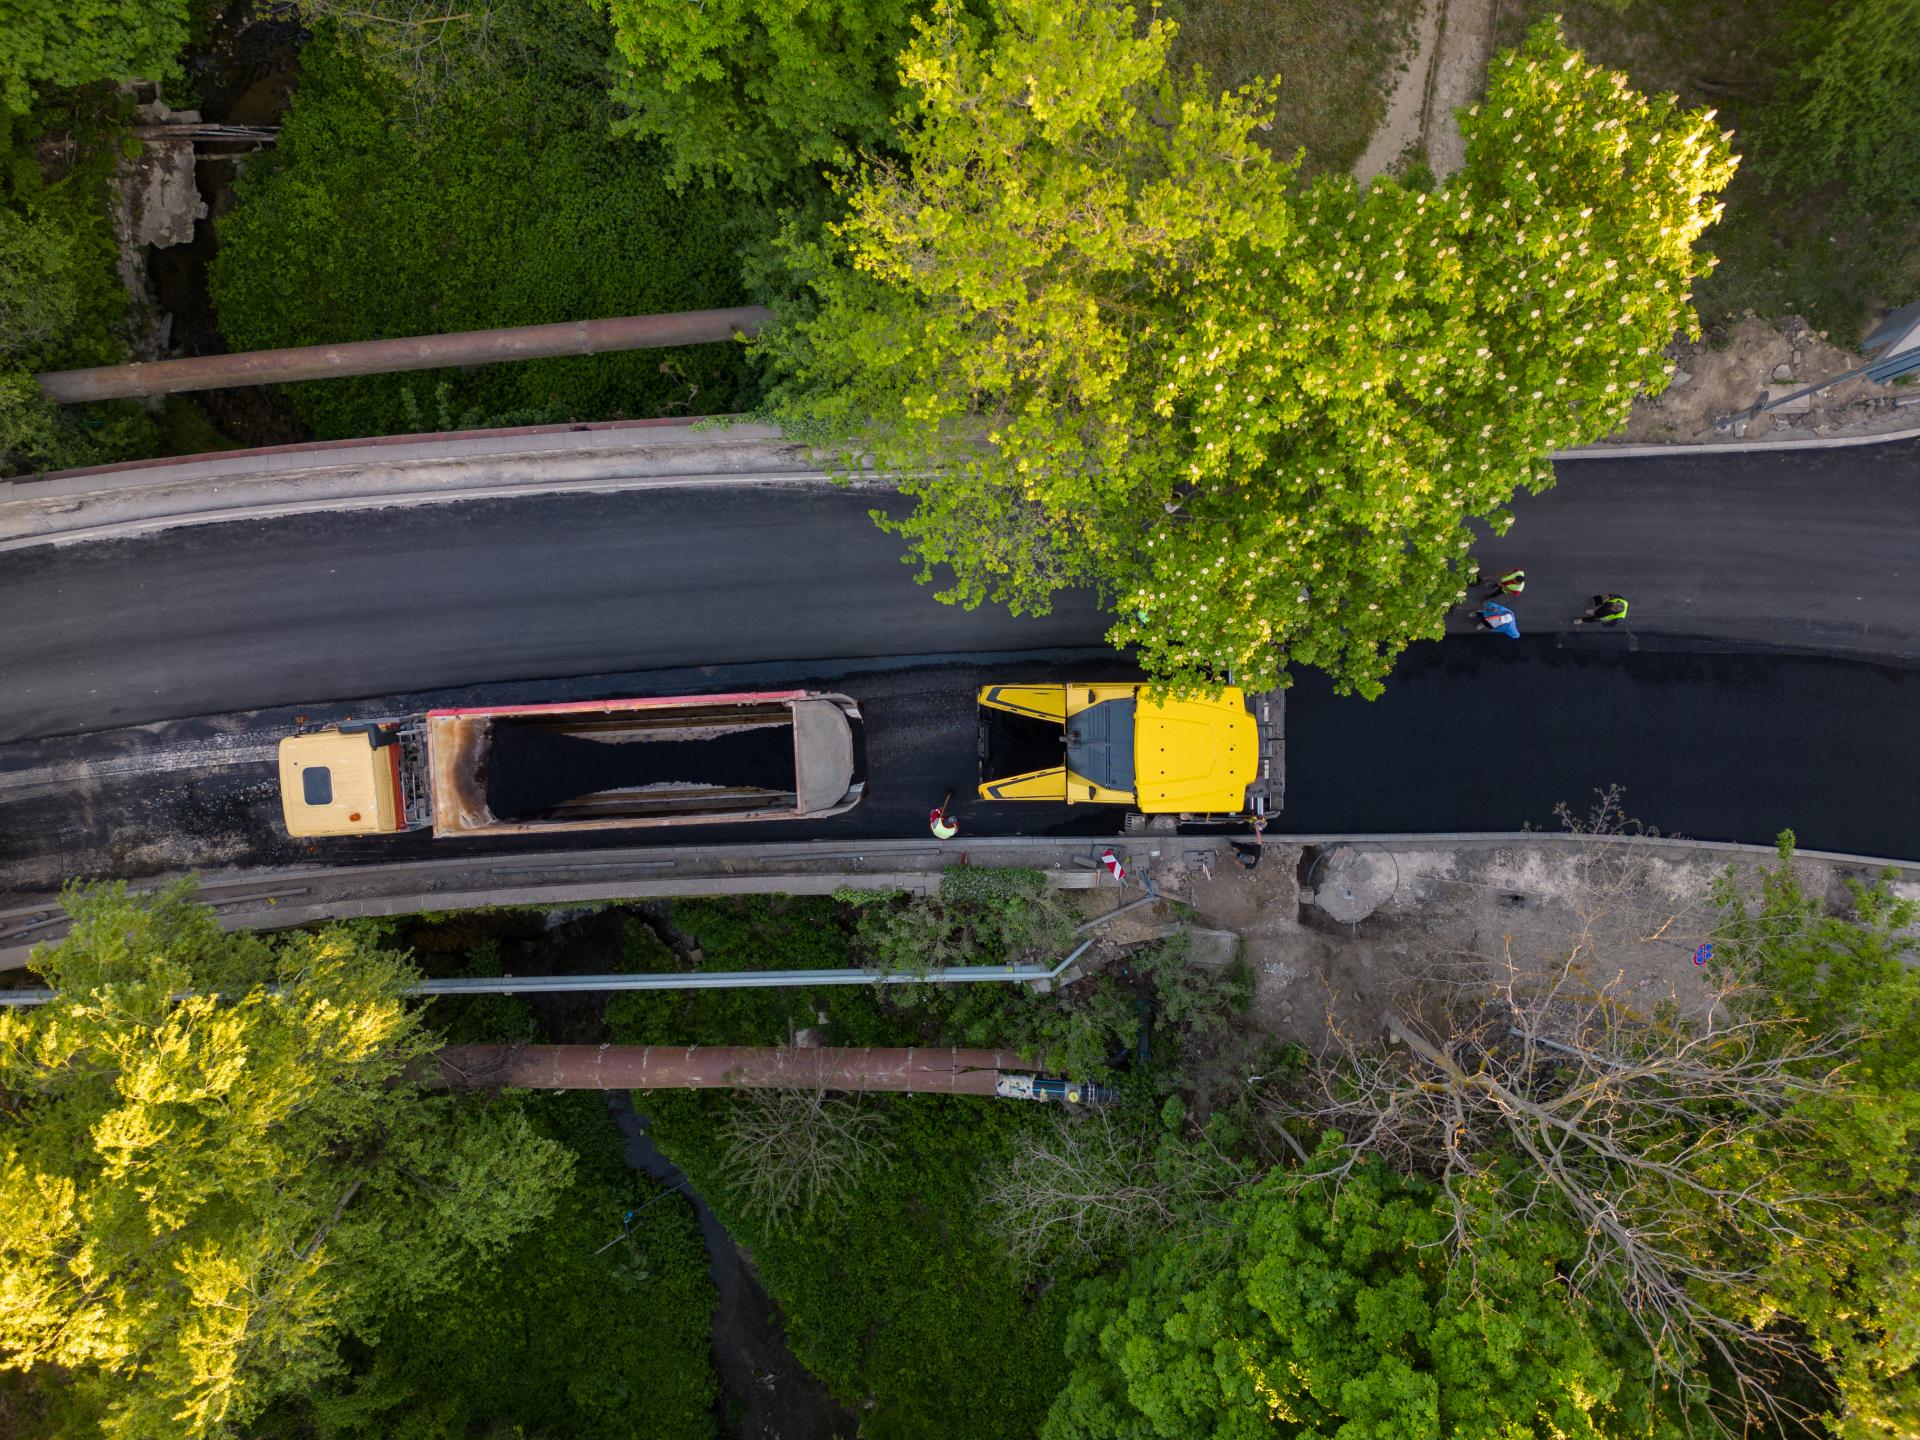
337	606
1815	549
1489	734
683	591
1812	549
1473	734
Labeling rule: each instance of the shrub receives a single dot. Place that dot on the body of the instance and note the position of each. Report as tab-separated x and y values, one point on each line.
77	42
508	204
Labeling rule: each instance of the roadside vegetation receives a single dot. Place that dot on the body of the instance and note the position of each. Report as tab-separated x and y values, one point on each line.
895	1277
1256	418
1823	216
1336	61
237	1214
61	302
1532	1200
497	196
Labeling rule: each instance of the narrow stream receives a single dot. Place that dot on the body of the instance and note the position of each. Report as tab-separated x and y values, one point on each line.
766	1393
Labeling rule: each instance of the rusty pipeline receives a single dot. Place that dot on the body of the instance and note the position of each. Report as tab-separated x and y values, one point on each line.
412	352
912	1070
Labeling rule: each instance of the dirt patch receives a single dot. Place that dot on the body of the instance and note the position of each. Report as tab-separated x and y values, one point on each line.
1400	132
1336	60
1447	73
1628	918
1729	369
1235	898
1458	80
1292	967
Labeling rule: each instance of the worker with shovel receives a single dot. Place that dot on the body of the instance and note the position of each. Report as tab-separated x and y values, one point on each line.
941	823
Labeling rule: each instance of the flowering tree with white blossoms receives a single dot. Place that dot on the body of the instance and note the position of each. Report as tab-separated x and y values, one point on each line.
1109	343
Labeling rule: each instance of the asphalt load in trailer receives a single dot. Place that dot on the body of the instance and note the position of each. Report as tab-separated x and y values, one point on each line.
533	769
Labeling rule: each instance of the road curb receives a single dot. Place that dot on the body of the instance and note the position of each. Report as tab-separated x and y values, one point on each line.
284	898
1604	451
431	445
144	497
399	471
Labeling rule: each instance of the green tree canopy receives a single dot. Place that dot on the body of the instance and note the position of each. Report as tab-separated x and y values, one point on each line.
1851	974
754	92
199	1198
1108	343
1317	1311
77	42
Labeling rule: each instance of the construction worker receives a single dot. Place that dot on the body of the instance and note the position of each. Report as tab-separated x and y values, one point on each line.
1606	609
1498	619
941	823
1511	583
1248	852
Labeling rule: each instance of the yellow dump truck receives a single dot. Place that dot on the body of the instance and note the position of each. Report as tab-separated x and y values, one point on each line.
1206	759
594	765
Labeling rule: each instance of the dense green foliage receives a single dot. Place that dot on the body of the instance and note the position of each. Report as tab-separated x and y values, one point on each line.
1319	1311
203	1197
61	304
757	93
553	1337
981	917
1730	1178
1851	1276
1846	110
503	203
37	299
896	1296
1793	241
1090	311
995	917
899	1289
76	42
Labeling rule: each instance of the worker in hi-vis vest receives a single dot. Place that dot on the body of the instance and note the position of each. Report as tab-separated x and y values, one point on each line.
1511	583
942	825
1605	610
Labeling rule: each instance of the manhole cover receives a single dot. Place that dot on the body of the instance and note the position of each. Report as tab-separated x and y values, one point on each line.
1352	884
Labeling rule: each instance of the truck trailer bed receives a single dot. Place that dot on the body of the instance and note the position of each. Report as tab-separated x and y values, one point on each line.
627	763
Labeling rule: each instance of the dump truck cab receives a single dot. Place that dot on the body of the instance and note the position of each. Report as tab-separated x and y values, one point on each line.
1208	757
349	780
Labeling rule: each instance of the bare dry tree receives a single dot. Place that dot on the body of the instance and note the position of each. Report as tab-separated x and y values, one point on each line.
1086	1184
1666	1129
421	43
796	1150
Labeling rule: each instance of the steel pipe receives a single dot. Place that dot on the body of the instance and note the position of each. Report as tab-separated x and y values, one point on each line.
662	980
412	352
910	1070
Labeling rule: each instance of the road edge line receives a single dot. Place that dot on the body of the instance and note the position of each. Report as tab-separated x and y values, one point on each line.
903	862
